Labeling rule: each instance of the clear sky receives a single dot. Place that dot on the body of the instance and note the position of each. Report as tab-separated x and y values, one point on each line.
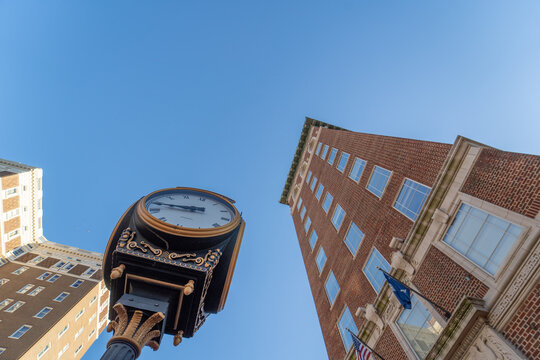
114	99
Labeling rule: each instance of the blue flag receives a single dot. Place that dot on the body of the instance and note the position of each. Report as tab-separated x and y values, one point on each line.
402	292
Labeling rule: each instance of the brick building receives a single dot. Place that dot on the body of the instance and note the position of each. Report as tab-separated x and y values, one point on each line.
53	302
458	222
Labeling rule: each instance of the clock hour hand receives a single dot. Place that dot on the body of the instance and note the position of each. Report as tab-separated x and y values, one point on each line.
185	207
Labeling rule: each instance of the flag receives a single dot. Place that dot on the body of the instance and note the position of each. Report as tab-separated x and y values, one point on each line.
362	351
402	292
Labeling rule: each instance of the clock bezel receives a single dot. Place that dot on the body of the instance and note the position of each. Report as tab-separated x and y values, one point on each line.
157	224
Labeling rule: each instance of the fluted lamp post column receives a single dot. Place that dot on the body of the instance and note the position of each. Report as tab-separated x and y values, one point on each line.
166	274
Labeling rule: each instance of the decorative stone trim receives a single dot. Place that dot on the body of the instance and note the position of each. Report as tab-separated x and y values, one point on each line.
490	345
440	216
372	315
399	262
396	243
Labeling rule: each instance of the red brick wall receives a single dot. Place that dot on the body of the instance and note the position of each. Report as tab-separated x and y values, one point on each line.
509	180
445	282
388	346
417	160
524	329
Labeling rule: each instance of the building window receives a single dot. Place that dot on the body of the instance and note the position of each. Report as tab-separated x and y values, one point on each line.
343	161
346	321
299	204
11	214
307	224
354	238
411	198
40	223
324	152
3	262
20	332
327	202
43	276
93	300
318	149
337	218
5	303
378	181
313	239
320	260
332	156
36	260
374	275
79	332
313	183
60	264
15	307
63	331
89	272
78	349
2	350
303	213
91	333
11	192
42	352
68	267
484	239
320	190
3	281
92	318
79	314
332	288
61	296
36	291
53	278
77	283
419	327
41	314
20	270
18	252
64	349
308	177
25	288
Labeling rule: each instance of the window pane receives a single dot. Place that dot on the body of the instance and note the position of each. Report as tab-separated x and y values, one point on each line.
332	156
411	199
374	275
313	239
332	288
325	150
319	191
343	161
354	238
327	202
357	169
378	181
303	213
320	259
308	177
318	148
299	204
337	219
347	322
307	224
313	183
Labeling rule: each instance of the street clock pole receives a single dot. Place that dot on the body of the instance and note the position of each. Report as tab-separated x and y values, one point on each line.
168	265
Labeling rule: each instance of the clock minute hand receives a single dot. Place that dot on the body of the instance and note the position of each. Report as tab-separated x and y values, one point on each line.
191	208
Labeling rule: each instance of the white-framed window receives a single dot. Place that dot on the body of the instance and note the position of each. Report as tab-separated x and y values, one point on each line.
20	332
67	267
79	314
41	314
332	156
36	260
44	276
91	333
39	204
61	296
20	270
346	321
53	278
378	181
3	281
299	204
411	198
36	291
11	214
5	303
25	288
327	202
342	161
89	272
13	234
303	213
313	239
92	318
482	238
2	349
319	192
332	288
44	351
354	238
39	184
93	300
18	251
78	333
307	224
337	218
308	177
15	307
3	261
78	349
318	149
320	260
60	264
419	327
64	349
324	152
77	283
11	192
374	275
313	183
63	331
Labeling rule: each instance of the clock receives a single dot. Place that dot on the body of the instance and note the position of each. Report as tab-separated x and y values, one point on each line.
188	212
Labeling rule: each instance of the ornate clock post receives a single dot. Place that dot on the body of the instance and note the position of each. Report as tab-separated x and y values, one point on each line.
168	265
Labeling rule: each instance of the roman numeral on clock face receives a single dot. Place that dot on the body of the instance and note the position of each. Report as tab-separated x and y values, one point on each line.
215	225
163	218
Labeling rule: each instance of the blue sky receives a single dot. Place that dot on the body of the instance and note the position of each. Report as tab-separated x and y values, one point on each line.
116	99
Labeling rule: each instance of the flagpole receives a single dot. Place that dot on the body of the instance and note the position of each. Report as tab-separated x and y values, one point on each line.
447	313
370	349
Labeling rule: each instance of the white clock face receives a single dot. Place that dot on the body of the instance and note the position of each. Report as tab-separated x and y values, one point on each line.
190	209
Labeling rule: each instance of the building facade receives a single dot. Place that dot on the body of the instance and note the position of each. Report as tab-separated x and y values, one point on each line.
457	222
53	302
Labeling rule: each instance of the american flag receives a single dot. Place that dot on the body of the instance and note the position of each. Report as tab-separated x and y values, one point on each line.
362	351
